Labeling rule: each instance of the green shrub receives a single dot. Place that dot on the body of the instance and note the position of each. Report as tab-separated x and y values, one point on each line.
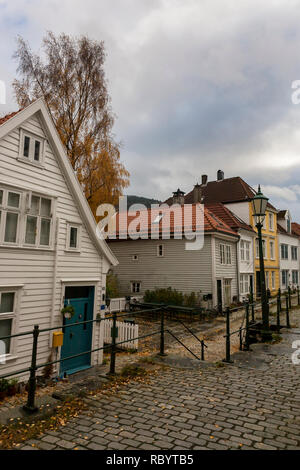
112	286
171	297
4	385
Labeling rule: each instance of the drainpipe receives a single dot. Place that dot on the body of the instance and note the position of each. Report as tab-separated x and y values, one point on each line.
54	281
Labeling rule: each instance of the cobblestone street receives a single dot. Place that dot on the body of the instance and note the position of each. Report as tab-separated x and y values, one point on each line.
253	403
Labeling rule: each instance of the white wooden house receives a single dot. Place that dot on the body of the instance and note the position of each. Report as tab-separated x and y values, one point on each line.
210	272
49	251
288	244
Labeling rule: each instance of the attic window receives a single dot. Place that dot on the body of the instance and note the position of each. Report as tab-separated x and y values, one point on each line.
31	147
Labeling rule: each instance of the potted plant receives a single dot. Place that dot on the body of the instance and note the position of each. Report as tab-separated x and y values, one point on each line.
68	311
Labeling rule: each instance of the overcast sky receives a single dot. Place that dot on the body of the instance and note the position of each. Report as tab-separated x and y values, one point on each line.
196	85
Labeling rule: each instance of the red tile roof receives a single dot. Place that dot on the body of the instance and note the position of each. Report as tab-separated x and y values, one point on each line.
225	214
146	225
7	117
282	230
296	229
228	190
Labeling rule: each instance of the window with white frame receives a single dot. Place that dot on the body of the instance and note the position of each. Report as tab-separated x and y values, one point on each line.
7	313
10	210
160	250
38	222
284	251
294	253
295	277
225	254
31	147
135	287
245	250
263	247
284	278
244	284
271	222
267	279
272	250
73	237
273	279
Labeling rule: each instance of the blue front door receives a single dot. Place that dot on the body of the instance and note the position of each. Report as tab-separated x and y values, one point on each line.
78	338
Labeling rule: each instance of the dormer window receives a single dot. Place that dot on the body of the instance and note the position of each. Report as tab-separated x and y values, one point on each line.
31	148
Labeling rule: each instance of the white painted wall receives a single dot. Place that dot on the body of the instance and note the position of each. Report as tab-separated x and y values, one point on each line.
42	272
288	264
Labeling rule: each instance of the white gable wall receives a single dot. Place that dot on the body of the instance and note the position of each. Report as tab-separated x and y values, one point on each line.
35	268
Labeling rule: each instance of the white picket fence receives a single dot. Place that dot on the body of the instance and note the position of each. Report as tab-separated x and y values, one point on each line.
126	332
118	304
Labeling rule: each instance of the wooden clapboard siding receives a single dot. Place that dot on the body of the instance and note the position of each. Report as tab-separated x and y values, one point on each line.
224	271
186	271
35	268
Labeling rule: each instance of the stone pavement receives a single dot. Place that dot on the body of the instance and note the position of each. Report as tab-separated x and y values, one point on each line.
253	403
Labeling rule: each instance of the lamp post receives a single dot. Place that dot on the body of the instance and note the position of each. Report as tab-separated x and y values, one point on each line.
259	205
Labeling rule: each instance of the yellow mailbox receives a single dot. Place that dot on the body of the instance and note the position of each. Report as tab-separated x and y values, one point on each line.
58	339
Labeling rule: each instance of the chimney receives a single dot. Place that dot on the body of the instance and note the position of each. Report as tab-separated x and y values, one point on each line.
178	197
197	193
220	175
204	180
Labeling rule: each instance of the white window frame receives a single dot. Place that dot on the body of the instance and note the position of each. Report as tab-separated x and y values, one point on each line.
37	244
295	250
30	159
293	273
287	251
272	249
245	250
162	254
286	278
4	209
11	316
134	289
273	279
271	224
78	227
264	242
244	284
225	254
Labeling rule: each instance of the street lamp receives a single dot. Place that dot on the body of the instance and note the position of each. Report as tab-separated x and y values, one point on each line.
259	205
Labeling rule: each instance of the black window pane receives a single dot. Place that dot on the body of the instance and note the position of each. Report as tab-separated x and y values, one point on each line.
37	147
26	146
73	237
5	330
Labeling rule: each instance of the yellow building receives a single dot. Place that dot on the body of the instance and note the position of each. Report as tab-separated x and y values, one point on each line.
270	248
237	195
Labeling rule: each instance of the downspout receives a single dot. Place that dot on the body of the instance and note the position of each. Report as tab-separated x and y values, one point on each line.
54	283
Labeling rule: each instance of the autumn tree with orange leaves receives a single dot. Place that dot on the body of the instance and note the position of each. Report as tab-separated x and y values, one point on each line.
70	76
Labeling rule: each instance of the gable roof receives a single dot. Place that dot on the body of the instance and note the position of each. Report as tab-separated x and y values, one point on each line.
228	190
281	214
282	230
225	214
13	120
147	225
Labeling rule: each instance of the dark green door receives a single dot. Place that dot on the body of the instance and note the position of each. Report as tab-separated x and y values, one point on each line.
78	338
